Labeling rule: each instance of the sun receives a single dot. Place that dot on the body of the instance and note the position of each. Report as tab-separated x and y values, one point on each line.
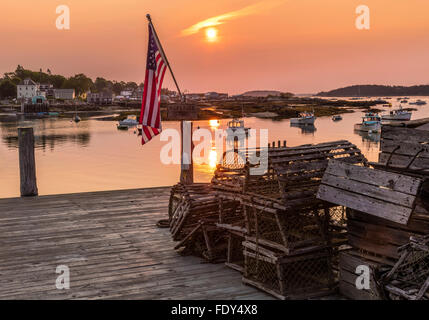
211	34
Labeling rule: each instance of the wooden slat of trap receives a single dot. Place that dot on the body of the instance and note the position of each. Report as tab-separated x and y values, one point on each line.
383	194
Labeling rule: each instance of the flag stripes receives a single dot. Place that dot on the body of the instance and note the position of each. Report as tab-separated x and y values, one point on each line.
150	116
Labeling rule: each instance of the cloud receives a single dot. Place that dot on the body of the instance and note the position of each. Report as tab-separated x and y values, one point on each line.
221	19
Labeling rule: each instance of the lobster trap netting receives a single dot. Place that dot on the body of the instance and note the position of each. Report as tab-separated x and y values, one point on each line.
235	257
289	276
290	229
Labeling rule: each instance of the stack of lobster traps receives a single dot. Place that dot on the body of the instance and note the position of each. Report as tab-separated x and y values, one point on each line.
386	207
193	214
289	237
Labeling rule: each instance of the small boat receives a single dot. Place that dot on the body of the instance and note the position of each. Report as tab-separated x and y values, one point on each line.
418	102
236	125
129	121
387	105
337	117
304	118
53	114
371	122
122	127
76	118
397	114
404	101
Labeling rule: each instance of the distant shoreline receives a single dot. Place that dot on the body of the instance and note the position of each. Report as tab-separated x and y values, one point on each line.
266	108
377	91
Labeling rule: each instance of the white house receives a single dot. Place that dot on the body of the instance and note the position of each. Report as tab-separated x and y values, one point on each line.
64	94
126	93
27	89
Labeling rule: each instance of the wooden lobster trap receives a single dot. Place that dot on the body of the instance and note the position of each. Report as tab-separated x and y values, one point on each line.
381	207
232	175
282	228
234	254
290	217
409	277
193	214
206	240
188	205
299	170
300	276
404	150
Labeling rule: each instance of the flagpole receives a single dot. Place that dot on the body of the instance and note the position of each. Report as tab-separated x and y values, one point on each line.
187	170
164	57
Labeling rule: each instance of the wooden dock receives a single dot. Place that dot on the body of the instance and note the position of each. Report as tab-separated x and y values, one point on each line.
110	242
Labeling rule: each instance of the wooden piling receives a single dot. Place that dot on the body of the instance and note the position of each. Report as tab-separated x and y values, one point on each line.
27	162
187	167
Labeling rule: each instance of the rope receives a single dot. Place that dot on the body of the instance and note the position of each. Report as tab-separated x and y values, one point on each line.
414	158
391	155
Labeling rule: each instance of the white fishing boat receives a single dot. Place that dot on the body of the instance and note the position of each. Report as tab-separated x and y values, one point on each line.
129	121
371	122
397	114
304	118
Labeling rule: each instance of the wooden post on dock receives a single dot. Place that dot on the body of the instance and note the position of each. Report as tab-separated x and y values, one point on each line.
187	167
27	162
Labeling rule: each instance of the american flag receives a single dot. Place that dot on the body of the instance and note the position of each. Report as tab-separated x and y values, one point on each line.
150	116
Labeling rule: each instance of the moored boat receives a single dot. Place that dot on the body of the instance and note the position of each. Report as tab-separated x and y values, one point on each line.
129	121
418	102
337	117
122	127
236	125
304	118
397	114
371	122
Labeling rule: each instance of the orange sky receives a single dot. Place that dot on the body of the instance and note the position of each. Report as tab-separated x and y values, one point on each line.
303	46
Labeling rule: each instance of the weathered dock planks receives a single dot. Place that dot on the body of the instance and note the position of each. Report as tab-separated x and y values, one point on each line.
111	244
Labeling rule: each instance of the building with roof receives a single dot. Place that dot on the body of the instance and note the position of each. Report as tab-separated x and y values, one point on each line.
27	89
104	97
64	94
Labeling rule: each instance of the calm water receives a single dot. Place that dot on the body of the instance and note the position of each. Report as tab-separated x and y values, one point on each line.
93	155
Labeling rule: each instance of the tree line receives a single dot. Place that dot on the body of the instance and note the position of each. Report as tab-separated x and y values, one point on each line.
79	82
377	90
